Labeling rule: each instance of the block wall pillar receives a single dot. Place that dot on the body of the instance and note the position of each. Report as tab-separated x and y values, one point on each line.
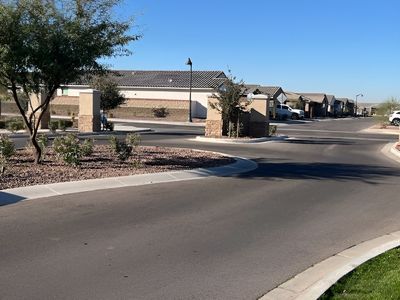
35	101
89	111
214	120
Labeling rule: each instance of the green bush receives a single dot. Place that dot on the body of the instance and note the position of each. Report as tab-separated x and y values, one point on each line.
68	149
2	124
64	124
7	149
133	139
160	112
272	130
87	147
15	124
53	126
122	149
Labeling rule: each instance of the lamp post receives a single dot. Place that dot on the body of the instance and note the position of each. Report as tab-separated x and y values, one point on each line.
189	63
358	95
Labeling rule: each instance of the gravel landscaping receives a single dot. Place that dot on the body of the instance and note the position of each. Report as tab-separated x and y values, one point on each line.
103	163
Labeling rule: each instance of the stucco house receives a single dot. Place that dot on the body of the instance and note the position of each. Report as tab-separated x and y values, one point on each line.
335	106
146	90
317	105
348	106
275	93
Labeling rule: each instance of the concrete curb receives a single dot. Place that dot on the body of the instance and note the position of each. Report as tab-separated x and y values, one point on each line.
83	134
238	141
380	131
9	196
391	152
313	282
394	151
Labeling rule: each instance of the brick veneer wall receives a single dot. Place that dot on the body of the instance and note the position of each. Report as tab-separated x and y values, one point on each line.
133	108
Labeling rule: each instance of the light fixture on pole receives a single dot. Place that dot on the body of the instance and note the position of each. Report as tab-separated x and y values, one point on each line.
189	63
358	95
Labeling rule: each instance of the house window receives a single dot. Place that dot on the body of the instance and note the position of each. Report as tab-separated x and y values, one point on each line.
64	91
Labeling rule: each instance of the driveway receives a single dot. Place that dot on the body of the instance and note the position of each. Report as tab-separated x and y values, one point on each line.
218	238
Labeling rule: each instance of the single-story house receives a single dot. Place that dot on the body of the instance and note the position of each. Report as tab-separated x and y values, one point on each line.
146	90
275	93
317	105
297	101
348	106
335	106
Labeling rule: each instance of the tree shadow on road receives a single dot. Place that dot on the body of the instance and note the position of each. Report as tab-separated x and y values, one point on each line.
7	198
321	171
319	141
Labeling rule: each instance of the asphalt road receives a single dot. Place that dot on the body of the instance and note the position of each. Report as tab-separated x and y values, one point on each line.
218	238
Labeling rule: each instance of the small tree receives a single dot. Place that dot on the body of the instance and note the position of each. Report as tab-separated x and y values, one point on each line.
386	108
45	44
110	94
230	104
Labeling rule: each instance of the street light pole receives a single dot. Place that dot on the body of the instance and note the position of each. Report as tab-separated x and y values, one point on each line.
357	104
189	63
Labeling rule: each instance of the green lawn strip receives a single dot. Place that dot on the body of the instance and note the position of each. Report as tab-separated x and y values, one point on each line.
378	278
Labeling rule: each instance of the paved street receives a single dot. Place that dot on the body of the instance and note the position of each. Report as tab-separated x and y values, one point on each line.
324	190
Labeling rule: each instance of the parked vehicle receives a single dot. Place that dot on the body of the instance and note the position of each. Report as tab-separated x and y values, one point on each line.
284	111
394	118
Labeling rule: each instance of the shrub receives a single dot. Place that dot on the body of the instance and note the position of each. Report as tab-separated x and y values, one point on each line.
272	130
122	149
15	124
53	126
7	150
133	139
87	147
43	142
64	124
68	149
160	112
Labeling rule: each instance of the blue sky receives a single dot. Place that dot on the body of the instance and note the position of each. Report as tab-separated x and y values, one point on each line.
337	47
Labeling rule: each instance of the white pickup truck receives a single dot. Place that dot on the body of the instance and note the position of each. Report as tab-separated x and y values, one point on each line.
284	111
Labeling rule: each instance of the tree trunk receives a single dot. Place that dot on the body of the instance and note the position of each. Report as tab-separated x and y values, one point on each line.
38	151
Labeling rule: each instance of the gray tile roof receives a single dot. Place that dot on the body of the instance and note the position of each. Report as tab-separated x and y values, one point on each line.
296	96
331	99
167	79
346	100
315	97
273	91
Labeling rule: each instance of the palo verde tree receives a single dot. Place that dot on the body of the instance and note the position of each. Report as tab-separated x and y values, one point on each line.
45	44
111	96
386	108
231	103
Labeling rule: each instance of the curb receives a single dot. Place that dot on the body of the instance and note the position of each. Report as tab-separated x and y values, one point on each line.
314	281
238	141
391	152
83	134
10	196
394	151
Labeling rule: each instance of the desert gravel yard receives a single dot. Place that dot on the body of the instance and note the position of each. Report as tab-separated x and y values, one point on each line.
21	171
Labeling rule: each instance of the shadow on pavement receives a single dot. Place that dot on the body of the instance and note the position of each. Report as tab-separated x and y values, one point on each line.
319	141
319	171
7	199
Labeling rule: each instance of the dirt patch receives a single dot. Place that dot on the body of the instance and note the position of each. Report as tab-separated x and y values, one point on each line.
103	163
